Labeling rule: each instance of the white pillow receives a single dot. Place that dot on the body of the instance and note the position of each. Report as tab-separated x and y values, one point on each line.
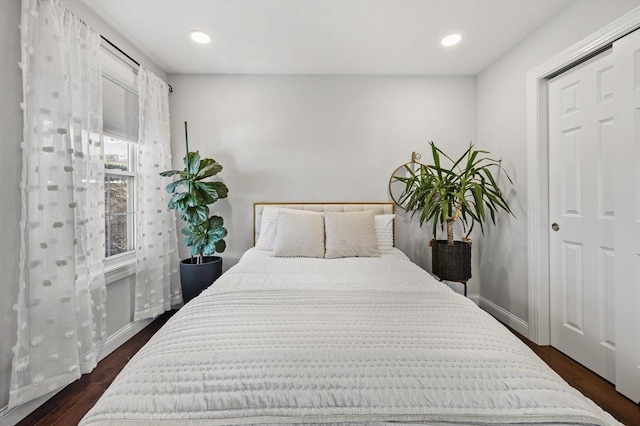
299	235
350	234
384	231
269	225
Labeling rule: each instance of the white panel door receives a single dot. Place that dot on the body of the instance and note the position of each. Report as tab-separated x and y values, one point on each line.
626	62
583	209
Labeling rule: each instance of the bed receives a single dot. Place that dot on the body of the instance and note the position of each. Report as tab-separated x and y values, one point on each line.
375	340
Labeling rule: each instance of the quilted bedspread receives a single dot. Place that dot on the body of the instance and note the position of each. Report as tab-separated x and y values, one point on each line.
349	341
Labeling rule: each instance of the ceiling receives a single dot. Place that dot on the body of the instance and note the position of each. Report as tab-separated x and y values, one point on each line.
381	37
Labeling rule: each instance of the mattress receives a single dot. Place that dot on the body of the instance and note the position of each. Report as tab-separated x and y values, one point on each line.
336	341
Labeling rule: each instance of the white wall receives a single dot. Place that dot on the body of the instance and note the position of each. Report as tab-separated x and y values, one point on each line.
119	293
501	128
316	138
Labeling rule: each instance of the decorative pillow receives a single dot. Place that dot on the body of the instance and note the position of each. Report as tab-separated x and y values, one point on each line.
384	231
299	235
350	234
269	225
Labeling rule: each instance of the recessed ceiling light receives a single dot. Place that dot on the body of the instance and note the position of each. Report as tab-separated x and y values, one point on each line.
200	37
451	39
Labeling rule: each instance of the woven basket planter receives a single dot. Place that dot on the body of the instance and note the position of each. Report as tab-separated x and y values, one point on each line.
451	262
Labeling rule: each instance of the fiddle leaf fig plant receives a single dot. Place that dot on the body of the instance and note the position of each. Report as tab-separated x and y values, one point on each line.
191	197
466	191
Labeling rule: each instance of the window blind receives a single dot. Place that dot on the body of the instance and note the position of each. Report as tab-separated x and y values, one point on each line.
119	109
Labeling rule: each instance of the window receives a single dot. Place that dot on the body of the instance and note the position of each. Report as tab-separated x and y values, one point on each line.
120	128
119	163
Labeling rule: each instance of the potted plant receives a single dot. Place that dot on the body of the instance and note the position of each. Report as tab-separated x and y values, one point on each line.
204	234
466	191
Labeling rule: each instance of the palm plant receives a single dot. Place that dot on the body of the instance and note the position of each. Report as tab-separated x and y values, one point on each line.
204	234
465	191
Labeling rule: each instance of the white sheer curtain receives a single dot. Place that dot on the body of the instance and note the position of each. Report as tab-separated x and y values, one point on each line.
60	308
157	278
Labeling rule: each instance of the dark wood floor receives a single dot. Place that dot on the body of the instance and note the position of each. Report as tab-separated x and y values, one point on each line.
589	383
73	402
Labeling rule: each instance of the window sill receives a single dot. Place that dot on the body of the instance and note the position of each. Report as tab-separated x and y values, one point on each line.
119	266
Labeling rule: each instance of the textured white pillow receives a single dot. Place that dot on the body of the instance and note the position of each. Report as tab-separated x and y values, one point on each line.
299	235
384	231
269	225
350	234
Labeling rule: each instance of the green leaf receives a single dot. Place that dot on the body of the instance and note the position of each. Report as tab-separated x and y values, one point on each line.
193	162
178	200
477	195
179	196
196	215
171	188
211	191
208	168
196	196
220	246
436	159
215	222
221	188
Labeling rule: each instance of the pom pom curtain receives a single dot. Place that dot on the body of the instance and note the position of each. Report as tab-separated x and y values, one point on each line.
61	313
157	279
61	299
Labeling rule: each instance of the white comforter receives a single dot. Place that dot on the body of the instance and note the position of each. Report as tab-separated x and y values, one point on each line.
371	340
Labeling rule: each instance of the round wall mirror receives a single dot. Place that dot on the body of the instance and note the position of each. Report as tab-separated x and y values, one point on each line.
398	181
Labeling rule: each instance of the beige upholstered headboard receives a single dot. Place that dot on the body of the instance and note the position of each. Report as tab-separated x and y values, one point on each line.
378	208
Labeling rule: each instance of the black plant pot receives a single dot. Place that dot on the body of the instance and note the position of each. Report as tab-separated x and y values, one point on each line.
195	278
451	262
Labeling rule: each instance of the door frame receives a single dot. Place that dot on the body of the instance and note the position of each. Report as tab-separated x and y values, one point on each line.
538	277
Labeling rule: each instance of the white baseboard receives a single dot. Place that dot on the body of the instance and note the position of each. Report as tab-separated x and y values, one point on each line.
501	314
113	342
118	338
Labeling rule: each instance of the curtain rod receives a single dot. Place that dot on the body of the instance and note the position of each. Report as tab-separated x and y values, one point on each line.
128	57
119	50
